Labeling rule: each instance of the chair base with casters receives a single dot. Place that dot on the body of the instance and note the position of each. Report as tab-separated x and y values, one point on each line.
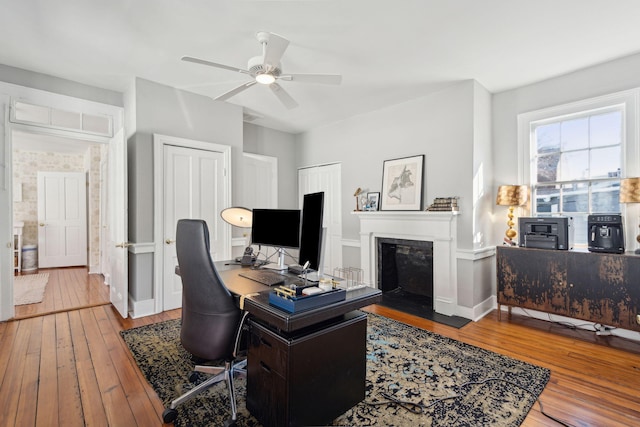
219	373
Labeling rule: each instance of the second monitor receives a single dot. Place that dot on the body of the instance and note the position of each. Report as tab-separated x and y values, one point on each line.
311	235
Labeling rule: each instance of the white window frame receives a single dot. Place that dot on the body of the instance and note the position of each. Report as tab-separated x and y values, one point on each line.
630	144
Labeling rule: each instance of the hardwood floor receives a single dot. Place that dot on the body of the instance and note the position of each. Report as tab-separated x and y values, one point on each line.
68	288
72	368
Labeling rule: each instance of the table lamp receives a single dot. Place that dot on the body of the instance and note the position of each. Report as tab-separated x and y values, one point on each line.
630	193
242	218
512	196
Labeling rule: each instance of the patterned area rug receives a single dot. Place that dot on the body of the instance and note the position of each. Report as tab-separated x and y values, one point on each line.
414	378
29	289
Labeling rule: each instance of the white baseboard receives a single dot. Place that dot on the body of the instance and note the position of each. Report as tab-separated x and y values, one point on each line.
484	308
141	308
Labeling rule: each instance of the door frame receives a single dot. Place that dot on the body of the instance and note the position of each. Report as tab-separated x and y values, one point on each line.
159	141
8	93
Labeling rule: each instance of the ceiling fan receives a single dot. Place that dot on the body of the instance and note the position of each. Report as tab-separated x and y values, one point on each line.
266	69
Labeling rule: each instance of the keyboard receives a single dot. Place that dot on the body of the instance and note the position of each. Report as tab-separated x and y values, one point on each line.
266	277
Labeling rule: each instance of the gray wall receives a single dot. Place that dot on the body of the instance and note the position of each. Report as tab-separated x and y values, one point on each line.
57	85
464	132
452	128
610	77
441	126
168	111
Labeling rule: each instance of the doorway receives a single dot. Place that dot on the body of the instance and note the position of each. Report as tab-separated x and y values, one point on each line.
33	152
61	121
45	153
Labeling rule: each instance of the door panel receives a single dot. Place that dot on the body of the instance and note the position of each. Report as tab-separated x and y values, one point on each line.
62	219
193	188
117	223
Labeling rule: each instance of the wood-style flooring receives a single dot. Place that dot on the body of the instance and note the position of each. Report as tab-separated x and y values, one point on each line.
68	288
72	368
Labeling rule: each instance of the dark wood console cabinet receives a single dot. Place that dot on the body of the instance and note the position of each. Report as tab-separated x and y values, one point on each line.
597	287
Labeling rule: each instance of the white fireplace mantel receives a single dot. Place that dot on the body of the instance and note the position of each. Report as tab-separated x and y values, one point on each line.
437	227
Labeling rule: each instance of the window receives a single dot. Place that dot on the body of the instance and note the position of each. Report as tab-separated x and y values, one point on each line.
576	157
25	113
576	163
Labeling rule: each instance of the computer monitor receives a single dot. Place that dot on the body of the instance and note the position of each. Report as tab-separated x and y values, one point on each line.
311	236
279	228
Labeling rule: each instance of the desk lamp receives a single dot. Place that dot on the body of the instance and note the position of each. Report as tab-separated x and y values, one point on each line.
242	218
512	196
630	193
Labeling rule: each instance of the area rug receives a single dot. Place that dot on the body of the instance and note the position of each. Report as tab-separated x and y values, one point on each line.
29	289
414	378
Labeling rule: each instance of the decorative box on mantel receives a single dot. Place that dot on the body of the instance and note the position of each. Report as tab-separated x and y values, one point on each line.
440	228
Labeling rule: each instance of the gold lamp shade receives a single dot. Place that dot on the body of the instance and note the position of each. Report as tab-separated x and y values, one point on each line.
630	193
630	190
512	196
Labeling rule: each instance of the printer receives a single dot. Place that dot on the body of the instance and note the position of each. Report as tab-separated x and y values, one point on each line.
546	232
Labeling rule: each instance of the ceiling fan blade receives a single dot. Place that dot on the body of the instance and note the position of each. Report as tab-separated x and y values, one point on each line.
327	79
283	96
214	64
235	91
275	47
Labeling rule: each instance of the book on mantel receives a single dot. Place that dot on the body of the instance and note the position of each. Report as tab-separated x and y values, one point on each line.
444	204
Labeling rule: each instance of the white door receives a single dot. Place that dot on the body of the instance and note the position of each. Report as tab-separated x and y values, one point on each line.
117	223
193	189
260	180
326	178
62	219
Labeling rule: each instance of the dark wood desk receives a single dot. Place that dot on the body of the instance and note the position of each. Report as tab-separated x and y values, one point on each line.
303	368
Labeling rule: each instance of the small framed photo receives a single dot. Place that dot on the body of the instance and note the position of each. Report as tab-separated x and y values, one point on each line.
402	184
373	201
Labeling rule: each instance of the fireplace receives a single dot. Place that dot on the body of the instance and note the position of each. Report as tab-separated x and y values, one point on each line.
405	266
439	229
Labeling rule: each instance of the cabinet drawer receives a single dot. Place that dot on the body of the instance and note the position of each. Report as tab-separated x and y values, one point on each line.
266	351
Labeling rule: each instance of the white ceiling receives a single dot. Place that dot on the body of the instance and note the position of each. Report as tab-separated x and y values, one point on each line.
387	51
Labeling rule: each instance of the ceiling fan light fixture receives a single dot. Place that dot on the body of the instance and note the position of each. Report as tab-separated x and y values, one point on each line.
265	78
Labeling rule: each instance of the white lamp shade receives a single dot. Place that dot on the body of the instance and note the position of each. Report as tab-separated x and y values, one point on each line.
237	216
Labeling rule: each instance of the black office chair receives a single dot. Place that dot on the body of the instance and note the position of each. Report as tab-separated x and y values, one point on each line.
212	322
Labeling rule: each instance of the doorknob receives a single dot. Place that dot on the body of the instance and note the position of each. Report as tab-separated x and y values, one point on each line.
42	224
169	241
123	245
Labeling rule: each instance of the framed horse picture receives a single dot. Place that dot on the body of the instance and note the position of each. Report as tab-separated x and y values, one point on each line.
402	184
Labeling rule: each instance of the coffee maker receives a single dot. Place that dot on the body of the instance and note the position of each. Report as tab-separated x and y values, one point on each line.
605	233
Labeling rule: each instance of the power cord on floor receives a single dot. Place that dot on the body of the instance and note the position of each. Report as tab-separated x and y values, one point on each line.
418	408
598	328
